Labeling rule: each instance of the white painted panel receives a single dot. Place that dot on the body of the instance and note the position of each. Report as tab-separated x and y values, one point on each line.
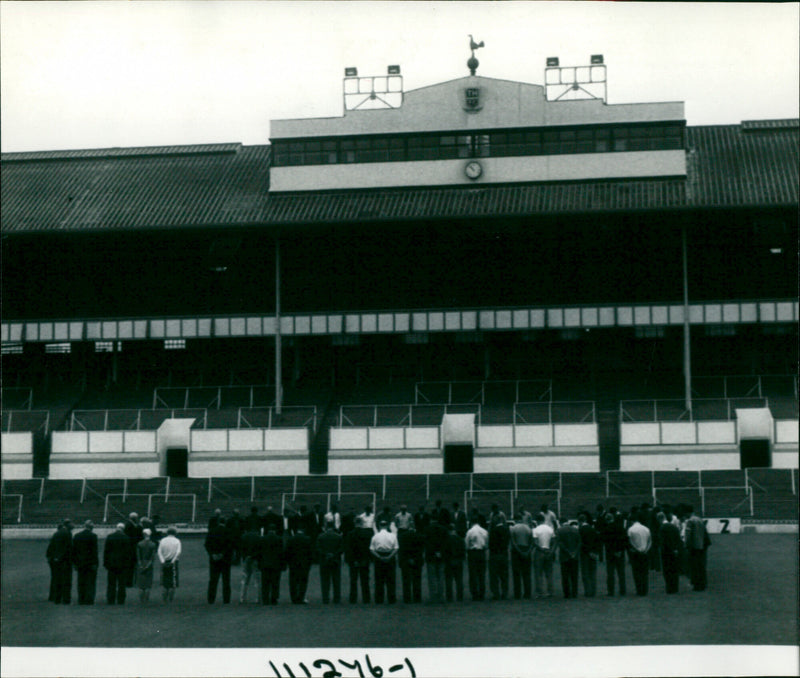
222	327
538	462
639	433
641	315
139	441
334	324
713	313
390	466
555	317
348	439
385	438
17	443
352	323
503	320
61	332
254	326
369	322
458	429
237	468
589	317
624	315
678	433
534	435
495	436
696	461
17	470
754	422
287	325
302	324
318	324
676	315
209	441
730	313
295	439
139	329
608	317
245	439
270	325
104	469
435	321
469	320
785	312
420	322
126	329
786	431
401	322
108	442
572	317
239	327
659	315
452	320
173	328
93	330
70	442
716	432
46	331
204	327
486	320
385	322
784	459
521	319
574	435
748	313
696	314
422	437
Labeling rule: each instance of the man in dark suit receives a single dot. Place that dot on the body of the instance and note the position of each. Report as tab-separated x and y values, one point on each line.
591	546
454	555
59	557
272	519
410	558
271	562
219	546
299	555
357	556
133	529
116	560
329	547
671	545
85	559
697	543
459	520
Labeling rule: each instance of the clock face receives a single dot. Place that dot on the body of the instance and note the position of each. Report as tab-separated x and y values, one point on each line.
473	169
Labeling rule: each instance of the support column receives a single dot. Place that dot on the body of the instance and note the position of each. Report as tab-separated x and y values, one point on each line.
278	366
687	355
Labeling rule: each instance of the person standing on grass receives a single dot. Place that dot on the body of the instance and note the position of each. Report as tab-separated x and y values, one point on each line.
271	562
476	542
329	547
384	548
59	557
569	546
454	555
640	542
169	551
403	520
544	540
591	547
219	546
411	556
521	551
116	558
357	556
299	556
435	544
85	559
133	530
250	544
145	562
615	540
671	545
697	543
498	557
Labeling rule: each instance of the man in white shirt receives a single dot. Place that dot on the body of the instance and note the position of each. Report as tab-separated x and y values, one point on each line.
333	516
169	550
640	541
543	556
476	541
403	520
384	547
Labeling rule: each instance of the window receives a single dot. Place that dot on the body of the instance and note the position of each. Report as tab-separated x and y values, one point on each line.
58	348
8	349
174	344
497	143
107	346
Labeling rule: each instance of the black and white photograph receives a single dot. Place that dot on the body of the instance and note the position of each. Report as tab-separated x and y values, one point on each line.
399	339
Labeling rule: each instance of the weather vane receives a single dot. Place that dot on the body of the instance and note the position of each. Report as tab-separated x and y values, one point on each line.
472	62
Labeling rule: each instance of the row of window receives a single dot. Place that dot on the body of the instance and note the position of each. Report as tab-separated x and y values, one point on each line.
445	146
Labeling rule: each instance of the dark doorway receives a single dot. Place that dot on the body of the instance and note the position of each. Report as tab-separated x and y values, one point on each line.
177	462
755	453
458	458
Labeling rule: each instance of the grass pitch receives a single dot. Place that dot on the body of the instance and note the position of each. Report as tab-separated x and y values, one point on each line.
751	600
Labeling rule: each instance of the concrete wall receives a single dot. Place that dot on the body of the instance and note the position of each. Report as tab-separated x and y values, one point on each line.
72	467
580	166
204	465
679	458
502	461
249	440
102	442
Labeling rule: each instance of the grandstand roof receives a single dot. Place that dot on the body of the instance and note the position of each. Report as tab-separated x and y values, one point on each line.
752	164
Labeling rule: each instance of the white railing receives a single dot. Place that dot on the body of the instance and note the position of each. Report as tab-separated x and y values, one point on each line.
19	499
125	496
543	388
674	409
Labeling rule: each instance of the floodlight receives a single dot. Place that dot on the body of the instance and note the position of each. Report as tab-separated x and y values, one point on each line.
552	61
393	70
597	59
350	71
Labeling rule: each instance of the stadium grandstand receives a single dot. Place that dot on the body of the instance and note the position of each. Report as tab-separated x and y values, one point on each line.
476	291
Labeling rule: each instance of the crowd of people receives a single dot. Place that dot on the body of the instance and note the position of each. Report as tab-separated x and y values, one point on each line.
444	543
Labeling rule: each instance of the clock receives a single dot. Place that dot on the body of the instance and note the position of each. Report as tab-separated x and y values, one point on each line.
473	169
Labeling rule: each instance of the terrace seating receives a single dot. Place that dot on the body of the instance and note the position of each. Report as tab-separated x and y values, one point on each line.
784	407
147	486
722	478
541	480
676	479
727	503
231	489
197	486
771	480
16	421
62	490
406	489
316	484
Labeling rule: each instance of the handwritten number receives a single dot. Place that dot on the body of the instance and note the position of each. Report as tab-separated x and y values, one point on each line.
333	673
356	665
274	668
411	668
305	669
376	671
